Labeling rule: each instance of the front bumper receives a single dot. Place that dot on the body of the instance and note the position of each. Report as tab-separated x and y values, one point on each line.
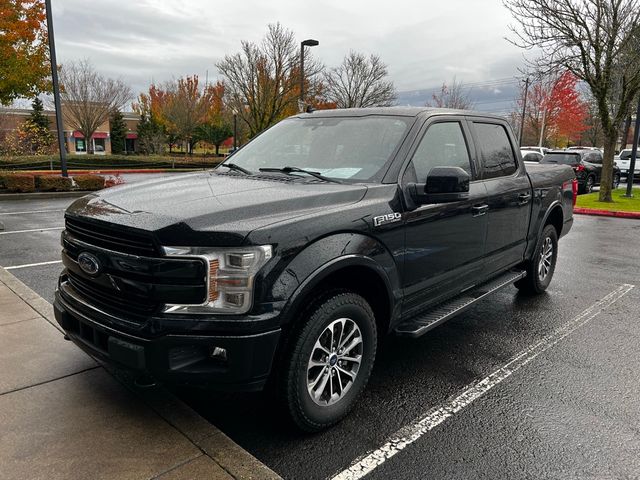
176	359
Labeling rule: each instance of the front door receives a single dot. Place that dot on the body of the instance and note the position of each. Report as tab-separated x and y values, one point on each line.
444	242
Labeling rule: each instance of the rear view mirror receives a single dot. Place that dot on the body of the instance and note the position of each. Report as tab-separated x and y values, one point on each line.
444	184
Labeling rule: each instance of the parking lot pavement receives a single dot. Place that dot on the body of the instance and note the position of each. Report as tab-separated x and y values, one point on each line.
566	413
576	397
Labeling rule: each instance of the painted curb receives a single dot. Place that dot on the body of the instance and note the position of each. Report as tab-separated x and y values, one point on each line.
605	213
236	461
42	195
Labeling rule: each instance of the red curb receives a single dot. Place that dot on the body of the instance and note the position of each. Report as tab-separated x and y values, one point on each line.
605	213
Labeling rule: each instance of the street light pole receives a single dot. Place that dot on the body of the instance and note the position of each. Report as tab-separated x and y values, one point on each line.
524	108
56	89
306	43
235	129
634	154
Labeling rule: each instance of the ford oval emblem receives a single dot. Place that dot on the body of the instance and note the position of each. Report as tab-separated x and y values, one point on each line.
89	263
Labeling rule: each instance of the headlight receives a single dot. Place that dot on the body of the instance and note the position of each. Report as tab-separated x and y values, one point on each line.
231	272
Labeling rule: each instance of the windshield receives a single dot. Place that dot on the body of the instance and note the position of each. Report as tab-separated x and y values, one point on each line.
561	158
347	148
625	155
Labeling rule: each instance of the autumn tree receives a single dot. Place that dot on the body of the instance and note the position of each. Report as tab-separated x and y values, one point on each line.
262	80
452	96
117	132
88	98
599	42
359	82
556	112
24	64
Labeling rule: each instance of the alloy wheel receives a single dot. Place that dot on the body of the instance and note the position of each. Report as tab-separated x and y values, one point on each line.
546	257
334	362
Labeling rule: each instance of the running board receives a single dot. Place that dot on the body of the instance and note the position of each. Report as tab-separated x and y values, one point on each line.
425	321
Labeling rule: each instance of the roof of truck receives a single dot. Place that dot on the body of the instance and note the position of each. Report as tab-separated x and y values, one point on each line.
400	111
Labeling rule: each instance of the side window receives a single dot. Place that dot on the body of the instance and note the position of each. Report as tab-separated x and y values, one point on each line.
595	158
495	150
443	145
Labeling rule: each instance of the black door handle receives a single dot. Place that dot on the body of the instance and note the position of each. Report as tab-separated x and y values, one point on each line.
478	210
524	198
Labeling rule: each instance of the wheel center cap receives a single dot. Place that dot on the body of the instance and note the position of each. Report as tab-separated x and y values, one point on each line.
333	359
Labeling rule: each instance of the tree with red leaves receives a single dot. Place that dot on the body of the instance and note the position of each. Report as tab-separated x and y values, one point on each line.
556	113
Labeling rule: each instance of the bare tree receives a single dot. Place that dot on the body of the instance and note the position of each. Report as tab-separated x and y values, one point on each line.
599	42
89	98
359	82
452	96
263	81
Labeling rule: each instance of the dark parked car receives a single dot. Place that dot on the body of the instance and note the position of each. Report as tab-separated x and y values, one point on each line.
587	164
287	264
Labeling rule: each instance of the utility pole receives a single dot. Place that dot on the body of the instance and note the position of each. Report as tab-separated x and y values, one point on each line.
634	153
56	89
524	108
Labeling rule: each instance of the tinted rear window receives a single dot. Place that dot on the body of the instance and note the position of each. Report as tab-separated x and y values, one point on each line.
561	158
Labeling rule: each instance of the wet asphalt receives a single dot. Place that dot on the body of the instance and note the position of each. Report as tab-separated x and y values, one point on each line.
572	412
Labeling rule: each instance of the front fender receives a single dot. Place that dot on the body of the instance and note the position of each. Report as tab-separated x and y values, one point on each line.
328	255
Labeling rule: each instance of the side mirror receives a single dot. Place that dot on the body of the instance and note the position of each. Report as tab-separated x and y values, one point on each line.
444	184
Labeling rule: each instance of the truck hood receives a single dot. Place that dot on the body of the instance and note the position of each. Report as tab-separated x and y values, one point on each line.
209	208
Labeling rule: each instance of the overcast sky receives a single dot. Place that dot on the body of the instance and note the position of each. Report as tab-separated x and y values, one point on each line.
423	42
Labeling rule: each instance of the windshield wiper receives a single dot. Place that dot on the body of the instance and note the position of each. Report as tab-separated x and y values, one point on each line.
236	168
291	170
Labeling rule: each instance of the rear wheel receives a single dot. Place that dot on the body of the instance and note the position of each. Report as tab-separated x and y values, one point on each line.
541	267
330	361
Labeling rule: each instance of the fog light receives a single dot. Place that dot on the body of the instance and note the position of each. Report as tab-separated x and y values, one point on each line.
219	353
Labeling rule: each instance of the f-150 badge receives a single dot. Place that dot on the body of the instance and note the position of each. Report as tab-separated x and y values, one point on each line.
388	218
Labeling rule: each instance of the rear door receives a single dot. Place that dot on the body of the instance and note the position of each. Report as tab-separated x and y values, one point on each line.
444	242
594	160
508	194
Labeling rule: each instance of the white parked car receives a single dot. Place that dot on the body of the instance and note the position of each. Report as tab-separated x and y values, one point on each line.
541	150
623	161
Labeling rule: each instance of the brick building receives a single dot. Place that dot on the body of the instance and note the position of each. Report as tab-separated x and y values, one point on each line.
11	118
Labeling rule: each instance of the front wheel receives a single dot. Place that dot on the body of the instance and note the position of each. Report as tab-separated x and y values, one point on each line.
330	361
541	267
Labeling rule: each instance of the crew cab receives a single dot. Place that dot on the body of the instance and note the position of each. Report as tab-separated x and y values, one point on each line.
587	165
287	264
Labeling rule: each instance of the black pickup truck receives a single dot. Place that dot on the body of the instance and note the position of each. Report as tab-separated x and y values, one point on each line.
288	263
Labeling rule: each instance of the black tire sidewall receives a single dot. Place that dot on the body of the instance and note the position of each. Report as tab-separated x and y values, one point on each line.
307	414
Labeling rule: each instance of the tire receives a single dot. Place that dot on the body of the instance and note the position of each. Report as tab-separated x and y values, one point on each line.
312	405
540	270
589	184
616	180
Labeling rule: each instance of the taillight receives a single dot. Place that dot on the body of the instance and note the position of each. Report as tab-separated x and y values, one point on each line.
578	168
574	189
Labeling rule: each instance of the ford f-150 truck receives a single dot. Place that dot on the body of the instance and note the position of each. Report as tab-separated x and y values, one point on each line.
288	263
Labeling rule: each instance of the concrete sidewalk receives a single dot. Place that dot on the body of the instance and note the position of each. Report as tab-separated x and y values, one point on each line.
63	416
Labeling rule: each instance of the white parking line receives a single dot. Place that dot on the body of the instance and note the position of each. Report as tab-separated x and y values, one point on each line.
31	211
31	230
27	265
434	417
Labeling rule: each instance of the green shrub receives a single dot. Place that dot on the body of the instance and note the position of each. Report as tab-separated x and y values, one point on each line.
89	182
53	183
20	183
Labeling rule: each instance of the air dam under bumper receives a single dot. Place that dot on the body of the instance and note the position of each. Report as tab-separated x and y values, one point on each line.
175	359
